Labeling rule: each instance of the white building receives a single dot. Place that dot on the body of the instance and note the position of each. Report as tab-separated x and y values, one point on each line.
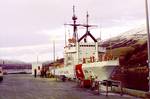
37	66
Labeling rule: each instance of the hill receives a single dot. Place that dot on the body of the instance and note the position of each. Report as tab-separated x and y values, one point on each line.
11	64
131	48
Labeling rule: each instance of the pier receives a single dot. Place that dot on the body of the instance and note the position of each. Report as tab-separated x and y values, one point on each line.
25	86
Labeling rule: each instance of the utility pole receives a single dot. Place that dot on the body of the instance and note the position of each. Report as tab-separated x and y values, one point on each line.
54	56
148	38
65	37
54	50
37	59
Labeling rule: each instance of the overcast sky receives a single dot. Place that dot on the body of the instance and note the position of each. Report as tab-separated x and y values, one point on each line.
27	27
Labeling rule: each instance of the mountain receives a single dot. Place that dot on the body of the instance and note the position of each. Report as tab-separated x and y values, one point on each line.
11	61
57	63
14	64
131	48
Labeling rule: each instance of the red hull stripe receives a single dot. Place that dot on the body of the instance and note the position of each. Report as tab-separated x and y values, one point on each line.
79	71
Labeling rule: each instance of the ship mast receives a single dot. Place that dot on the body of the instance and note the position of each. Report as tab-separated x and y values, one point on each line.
87	30
74	18
87	27
89	34
74	25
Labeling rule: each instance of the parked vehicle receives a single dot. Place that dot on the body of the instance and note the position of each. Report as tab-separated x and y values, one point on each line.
1	74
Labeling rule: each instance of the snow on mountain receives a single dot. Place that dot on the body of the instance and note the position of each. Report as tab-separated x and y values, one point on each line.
136	33
134	36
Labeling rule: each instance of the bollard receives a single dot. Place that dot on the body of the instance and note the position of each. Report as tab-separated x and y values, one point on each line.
106	88
121	89
98	87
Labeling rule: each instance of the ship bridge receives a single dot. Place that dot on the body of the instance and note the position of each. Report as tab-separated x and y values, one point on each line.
88	46
75	54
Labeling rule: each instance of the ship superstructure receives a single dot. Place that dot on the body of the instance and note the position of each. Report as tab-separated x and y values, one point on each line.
80	51
89	55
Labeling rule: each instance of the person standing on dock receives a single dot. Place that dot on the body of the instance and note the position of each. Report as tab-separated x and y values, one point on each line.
35	73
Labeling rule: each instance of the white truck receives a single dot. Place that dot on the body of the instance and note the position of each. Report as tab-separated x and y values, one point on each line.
1	74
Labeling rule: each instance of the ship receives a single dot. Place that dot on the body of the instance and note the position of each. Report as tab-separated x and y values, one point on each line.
85	58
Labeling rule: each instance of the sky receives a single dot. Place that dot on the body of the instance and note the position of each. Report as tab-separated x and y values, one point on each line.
29	27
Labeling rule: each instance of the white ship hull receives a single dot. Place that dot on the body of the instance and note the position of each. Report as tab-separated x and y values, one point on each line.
102	70
67	71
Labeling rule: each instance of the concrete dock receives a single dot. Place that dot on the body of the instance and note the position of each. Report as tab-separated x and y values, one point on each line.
25	86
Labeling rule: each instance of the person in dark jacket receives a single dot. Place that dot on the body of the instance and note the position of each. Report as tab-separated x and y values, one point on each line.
35	73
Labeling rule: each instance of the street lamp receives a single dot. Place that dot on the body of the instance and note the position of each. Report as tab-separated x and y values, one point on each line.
148	38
